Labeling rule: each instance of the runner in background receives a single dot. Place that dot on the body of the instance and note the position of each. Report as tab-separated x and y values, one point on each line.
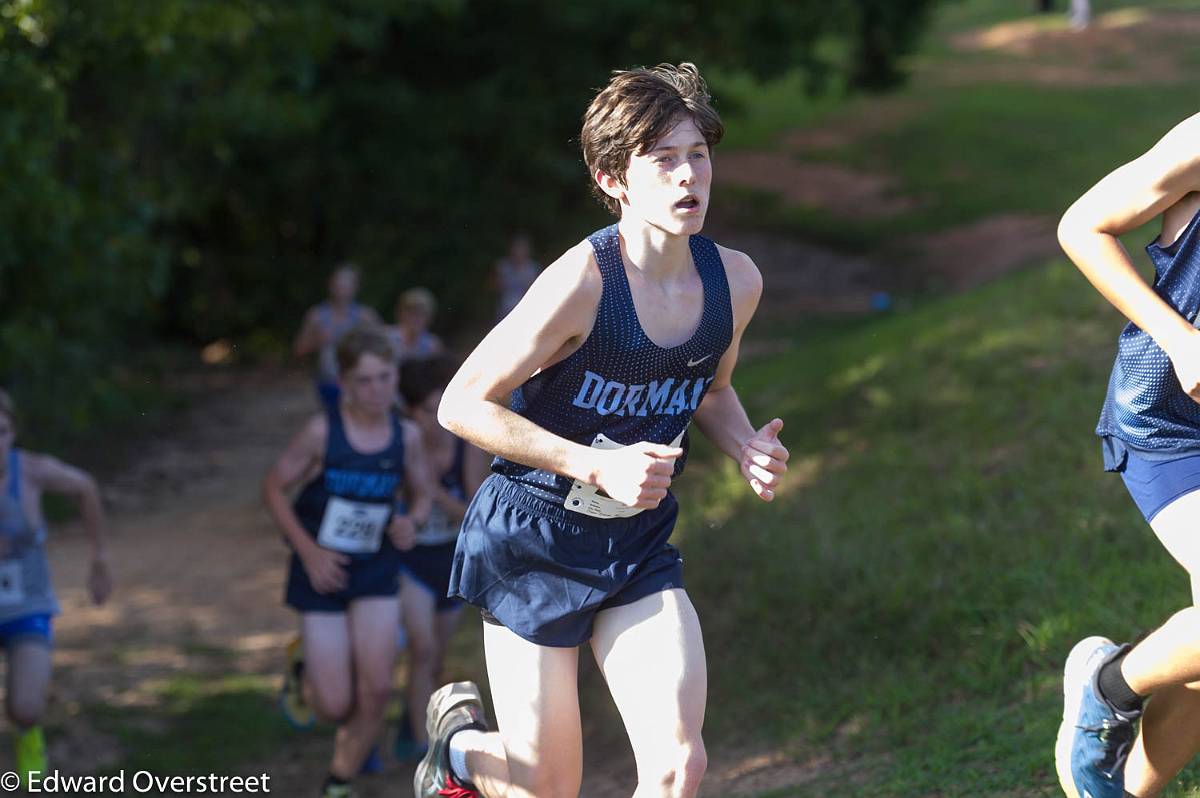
27	601
410	335
326	323
359	464
429	616
513	274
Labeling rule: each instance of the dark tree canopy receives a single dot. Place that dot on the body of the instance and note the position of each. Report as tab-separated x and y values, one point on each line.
191	169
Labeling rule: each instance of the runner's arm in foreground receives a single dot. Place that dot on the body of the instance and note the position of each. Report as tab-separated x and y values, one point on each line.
721	417
417	488
550	323
54	476
1124	200
300	460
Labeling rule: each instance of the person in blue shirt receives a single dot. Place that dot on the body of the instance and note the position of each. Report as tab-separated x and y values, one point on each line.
1150	434
359	465
27	600
616	348
325	324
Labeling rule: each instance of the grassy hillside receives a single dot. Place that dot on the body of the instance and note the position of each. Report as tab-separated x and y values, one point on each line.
948	535
897	622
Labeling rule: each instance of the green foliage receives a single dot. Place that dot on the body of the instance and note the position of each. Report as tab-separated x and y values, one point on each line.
192	170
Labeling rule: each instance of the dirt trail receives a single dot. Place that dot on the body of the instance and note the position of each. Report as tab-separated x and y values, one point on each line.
199	570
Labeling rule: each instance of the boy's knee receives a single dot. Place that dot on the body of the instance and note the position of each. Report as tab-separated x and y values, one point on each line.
332	708
26	712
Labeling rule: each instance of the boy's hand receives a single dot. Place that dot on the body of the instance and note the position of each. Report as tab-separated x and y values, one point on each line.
637	475
764	460
326	569
100	581
403	532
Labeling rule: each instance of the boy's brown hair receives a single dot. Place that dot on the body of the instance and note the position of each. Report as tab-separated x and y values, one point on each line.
363	339
421	377
635	110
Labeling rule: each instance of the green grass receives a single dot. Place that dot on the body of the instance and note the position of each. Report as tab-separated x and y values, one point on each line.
198	725
963	151
948	536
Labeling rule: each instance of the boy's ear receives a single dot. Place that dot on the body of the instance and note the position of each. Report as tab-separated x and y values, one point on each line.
609	185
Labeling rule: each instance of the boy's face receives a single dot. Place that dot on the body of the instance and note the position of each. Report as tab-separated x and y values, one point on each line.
413	317
668	186
371	384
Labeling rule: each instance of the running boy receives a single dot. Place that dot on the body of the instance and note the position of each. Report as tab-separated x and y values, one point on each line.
27	601
614	350
430	616
1150	431
356	461
326	323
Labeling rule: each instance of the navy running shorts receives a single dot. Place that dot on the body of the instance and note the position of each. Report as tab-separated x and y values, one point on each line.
1154	484
544	572
429	568
368	577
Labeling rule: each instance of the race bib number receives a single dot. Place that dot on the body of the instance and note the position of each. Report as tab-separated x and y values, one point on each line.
12	588
353	527
590	500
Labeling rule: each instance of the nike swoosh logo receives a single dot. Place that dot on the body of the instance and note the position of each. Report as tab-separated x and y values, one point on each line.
698	362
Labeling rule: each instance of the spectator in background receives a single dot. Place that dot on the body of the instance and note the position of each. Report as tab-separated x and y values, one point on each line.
326	323
410	335
514	273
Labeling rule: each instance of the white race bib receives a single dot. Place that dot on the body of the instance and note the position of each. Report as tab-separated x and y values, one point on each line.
12	586
587	499
353	527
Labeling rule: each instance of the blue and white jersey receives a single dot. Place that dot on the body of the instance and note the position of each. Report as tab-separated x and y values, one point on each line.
619	387
1146	410
25	587
348	506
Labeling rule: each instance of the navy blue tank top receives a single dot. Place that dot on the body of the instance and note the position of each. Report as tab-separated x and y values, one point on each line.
1146	410
366	482
619	383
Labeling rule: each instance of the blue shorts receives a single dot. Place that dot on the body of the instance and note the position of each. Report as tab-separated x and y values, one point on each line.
544	572
429	567
29	627
378	575
1154	484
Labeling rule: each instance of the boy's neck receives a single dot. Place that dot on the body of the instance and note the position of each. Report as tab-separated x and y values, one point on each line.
361	417
652	251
